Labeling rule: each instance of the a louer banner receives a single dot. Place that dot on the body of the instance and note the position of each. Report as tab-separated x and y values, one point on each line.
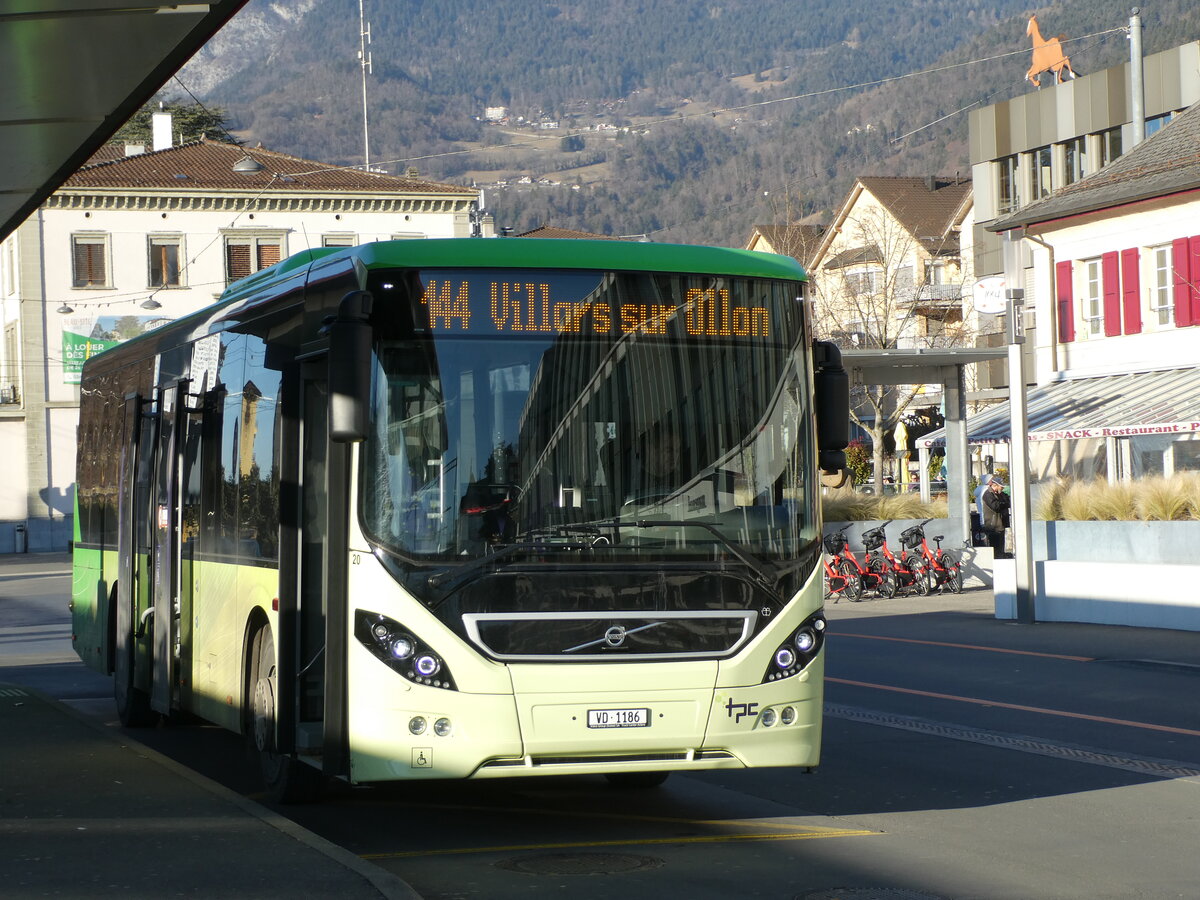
85	336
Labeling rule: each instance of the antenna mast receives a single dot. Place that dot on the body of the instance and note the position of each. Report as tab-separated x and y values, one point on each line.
364	59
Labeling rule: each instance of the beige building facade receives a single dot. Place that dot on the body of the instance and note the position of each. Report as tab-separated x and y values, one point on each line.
127	244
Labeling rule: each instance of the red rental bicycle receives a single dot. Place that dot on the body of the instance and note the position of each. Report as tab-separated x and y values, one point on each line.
939	568
843	562
881	559
838	583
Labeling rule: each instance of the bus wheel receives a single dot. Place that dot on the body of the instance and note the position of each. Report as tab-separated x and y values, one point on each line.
133	704
636	780
287	779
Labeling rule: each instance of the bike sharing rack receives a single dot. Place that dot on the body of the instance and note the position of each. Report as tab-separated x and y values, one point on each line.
944	367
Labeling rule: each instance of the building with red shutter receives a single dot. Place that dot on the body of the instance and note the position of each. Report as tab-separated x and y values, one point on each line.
1116	276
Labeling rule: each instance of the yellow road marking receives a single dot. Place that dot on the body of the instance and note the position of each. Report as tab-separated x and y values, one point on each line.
632	842
622	817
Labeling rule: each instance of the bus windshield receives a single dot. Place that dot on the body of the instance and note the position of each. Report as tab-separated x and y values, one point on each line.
590	416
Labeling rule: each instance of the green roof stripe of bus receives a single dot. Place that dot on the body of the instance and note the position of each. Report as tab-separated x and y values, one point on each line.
540	253
537	253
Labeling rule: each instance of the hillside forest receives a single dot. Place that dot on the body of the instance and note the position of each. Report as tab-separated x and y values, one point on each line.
684	121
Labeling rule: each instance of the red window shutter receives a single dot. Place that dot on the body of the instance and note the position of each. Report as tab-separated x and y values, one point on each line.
268	255
89	264
1183	282
1111	272
1066	302
1194	276
1131	290
237	261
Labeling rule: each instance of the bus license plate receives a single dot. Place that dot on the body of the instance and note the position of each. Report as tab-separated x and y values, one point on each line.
618	718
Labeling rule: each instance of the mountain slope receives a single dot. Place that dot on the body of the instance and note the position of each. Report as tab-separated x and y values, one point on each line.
713	145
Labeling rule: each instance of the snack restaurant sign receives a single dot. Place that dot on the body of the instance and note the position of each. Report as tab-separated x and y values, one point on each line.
1074	434
1078	434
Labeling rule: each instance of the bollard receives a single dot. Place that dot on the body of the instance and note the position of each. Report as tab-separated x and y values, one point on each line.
19	538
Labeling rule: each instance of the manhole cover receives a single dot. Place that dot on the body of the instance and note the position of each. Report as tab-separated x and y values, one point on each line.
868	893
579	863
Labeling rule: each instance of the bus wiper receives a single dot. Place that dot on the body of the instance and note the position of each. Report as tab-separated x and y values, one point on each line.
763	576
456	577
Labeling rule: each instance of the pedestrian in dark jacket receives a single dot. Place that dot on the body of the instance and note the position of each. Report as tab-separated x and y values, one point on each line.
994	515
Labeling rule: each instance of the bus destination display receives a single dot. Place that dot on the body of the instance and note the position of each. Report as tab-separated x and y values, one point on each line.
544	307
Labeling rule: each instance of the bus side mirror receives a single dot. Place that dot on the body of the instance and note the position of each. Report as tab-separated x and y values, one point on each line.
832	406
350	367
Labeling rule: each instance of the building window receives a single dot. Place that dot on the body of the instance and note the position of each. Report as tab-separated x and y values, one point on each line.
1042	183
858	283
10	375
1008	195
1110	145
1158	123
246	255
337	240
89	256
935	271
1162	301
164	262
1093	297
1076	157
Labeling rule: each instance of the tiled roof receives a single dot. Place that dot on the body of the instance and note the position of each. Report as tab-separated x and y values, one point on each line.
549	231
208	165
927	208
1167	162
798	240
855	256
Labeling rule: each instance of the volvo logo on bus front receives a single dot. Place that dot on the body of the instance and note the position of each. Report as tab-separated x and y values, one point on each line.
615	636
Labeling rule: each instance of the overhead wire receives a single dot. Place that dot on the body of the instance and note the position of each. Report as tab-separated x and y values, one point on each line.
680	117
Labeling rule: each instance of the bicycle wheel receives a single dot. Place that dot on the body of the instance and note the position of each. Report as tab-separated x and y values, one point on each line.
887	578
953	578
924	581
849	570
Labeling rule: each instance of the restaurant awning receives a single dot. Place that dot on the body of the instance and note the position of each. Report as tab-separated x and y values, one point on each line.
1126	405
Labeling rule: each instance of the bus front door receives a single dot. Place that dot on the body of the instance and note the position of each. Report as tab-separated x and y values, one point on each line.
131	649
165	547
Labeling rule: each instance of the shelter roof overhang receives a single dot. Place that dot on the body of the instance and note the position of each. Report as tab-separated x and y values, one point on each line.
913	366
1124	405
73	72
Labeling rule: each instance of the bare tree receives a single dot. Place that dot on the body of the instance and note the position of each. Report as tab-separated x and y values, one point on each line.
881	287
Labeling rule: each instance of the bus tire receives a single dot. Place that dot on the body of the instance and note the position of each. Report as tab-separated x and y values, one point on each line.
286	778
632	781
133	704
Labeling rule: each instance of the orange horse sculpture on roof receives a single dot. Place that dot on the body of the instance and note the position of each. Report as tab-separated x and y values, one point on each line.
1048	55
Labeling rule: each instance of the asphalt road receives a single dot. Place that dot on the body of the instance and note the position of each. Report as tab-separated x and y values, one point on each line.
963	758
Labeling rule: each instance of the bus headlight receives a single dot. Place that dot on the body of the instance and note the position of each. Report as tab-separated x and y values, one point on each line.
805	640
801	648
401	650
427	665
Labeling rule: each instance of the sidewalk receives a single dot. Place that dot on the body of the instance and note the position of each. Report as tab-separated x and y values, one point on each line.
85	813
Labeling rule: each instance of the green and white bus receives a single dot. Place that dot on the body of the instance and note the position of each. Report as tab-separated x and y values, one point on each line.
394	512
